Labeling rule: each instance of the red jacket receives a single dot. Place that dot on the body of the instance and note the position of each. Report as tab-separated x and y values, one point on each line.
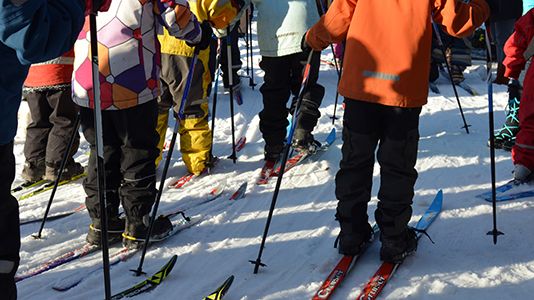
50	73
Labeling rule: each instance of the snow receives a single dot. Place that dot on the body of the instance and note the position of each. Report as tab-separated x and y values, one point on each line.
462	264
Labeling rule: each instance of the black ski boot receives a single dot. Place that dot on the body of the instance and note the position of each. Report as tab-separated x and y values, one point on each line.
395	248
115	230
303	141
136	230
352	239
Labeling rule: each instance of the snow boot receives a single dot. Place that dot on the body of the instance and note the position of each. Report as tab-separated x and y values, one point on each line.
505	137
352	238
33	171
136	230
457	74
522	174
395	248
71	169
303	141
115	230
273	153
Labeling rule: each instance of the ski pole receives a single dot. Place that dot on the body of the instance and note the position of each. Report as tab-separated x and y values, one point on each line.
233	156
60	173
139	270
339	69
494	232
214	105
313	54
442	47
249	29
99	148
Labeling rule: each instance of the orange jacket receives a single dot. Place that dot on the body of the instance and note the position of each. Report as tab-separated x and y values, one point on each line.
50	73
387	56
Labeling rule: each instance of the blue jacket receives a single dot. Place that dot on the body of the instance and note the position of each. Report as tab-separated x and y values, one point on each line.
31	31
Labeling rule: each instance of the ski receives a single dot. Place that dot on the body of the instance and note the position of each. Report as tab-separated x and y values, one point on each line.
180	182
28	185
240	143
49	186
302	156
150	283
434	88
124	254
471	91
343	267
62	259
266	172
513	196
505	192
55	216
219	293
384	273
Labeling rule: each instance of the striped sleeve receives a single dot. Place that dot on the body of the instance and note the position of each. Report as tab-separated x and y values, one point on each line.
176	17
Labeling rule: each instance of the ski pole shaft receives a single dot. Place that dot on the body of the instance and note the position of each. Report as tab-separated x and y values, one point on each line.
494	232
231	84
258	263
214	105
249	26
442	47
60	173
188	82
99	147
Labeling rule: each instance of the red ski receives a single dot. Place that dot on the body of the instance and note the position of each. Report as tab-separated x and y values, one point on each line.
375	285
335	278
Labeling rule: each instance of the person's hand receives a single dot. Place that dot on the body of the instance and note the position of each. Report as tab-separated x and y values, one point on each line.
514	89
103	5
304	45
205	38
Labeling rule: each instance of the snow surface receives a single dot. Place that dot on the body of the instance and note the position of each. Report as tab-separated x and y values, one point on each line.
299	253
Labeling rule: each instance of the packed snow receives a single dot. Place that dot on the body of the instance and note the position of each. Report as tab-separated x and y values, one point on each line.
462	264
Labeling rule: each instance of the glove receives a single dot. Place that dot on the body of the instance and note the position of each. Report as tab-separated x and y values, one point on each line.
103	5
304	46
514	89
205	38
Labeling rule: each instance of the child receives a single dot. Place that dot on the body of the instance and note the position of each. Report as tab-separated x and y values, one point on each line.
518	49
387	60
129	64
47	90
195	134
280	28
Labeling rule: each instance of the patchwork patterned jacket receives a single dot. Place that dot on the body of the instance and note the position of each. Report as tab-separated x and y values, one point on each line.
129	51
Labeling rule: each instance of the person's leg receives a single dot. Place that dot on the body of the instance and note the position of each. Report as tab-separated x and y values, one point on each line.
523	150
275	90
311	101
37	133
195	134
397	156
9	225
355	176
112	158
136	128
63	118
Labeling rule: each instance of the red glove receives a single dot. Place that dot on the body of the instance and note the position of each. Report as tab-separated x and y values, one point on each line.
103	5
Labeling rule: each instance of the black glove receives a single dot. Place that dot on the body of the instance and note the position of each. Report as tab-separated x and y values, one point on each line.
514	89
304	46
205	39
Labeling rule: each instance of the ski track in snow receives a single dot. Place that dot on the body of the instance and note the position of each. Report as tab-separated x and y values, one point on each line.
299	253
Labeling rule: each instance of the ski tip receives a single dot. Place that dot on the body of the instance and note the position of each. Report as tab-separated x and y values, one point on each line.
437	204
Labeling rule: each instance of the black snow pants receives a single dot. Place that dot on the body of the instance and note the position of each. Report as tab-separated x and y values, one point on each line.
395	131
130	151
282	79
9	225
53	117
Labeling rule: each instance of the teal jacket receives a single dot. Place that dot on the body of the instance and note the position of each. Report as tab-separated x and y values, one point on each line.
282	23
31	31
